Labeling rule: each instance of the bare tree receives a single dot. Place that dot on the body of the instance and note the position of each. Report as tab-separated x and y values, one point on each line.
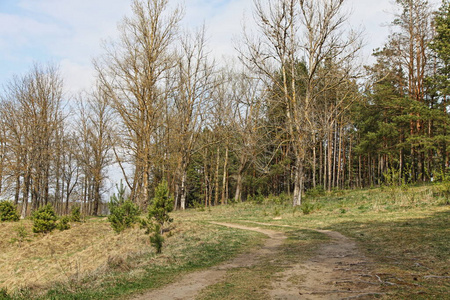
95	130
294	33
246	125
131	74
190	103
33	107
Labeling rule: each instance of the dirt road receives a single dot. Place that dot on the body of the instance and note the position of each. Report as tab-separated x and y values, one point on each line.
337	271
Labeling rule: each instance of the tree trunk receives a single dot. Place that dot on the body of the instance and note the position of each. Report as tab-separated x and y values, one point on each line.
183	191
17	192
224	179
298	183
314	163
96	199
26	192
238	193
216	179
330	158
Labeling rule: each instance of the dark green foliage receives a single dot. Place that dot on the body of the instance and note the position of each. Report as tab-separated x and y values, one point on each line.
316	191
156	239
123	215
441	47
8	212
44	219
444	190
161	206
257	199
4	294
307	208
158	215
75	215
63	223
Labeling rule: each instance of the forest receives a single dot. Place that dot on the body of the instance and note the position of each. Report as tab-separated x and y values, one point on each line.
296	112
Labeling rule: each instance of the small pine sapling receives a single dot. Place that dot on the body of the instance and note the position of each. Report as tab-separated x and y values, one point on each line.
21	235
63	223
158	215
8	212
156	239
44	219
75	214
124	213
161	206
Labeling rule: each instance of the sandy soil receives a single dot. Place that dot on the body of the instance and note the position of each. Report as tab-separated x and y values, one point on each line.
337	271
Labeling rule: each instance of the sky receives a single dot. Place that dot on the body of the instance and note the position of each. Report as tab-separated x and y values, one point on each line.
70	33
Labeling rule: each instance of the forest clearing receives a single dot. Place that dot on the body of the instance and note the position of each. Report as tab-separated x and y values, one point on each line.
394	244
292	167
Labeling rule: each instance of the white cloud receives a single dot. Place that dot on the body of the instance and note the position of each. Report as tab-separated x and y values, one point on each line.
76	76
70	32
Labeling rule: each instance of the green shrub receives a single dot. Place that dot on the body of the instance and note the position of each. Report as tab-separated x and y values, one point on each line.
315	192
158	215
63	223
4	294
21	235
444	189
276	211
8	212
198	205
161	206
123	215
44	219
307	208
284	198
75	214
256	199
157	240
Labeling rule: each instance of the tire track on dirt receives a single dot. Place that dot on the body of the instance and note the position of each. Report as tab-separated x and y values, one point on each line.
337	271
191	284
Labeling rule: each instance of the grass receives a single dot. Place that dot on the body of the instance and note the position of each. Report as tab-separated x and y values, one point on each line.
403	230
129	263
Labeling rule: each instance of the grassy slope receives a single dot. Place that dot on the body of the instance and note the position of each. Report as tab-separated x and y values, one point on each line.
405	232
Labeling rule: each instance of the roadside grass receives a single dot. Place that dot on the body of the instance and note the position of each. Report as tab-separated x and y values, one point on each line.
411	254
405	231
189	246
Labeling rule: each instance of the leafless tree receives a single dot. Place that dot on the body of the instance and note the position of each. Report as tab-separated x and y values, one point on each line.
33	114
195	77
131	74
293	32
96	131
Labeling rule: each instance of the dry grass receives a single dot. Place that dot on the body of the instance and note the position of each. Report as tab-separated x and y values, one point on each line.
63	256
404	230
90	259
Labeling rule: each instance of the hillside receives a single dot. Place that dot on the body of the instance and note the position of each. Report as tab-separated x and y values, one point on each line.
402	232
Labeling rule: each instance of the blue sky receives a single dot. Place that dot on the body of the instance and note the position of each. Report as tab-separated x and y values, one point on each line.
70	32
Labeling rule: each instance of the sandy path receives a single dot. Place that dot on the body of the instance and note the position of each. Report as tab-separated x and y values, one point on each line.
338	271
191	284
